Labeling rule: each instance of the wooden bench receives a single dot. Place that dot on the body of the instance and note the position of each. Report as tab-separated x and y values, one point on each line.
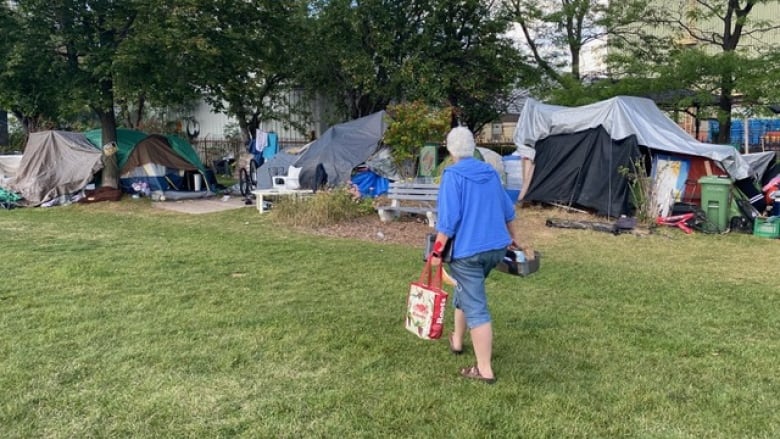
416	198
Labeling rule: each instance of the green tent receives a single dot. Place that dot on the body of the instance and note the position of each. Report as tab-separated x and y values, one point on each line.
163	162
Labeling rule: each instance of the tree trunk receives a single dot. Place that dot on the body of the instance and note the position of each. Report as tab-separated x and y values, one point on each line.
110	176
29	124
139	114
241	115
3	128
725	104
724	133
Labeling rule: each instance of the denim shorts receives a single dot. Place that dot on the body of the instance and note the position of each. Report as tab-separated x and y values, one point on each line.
470	296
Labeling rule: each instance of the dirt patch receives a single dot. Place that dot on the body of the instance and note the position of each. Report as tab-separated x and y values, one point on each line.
411	230
202	205
406	230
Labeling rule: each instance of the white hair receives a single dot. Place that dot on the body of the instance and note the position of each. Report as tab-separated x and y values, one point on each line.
460	142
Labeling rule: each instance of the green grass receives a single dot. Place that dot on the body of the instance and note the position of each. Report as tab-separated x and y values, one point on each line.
119	320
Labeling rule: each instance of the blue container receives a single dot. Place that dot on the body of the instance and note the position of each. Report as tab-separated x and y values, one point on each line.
513	170
737	137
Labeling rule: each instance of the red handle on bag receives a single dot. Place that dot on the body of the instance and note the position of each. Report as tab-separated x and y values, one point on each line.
433	281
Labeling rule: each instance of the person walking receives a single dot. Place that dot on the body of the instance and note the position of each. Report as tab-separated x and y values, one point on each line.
476	214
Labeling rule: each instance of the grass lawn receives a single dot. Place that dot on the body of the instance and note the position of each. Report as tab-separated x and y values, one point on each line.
120	320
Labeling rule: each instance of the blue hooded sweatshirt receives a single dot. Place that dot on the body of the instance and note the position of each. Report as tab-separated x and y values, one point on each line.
474	208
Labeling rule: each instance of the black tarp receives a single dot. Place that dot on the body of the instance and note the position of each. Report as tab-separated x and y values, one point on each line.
584	169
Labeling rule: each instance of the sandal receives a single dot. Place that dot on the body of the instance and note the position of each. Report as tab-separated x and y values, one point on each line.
472	372
453	350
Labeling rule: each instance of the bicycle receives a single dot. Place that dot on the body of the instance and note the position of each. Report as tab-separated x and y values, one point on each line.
247	179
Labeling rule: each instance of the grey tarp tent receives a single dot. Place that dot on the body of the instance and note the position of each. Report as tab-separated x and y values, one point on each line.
341	148
55	163
621	117
578	151
280	163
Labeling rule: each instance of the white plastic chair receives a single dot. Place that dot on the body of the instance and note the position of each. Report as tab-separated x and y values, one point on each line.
289	181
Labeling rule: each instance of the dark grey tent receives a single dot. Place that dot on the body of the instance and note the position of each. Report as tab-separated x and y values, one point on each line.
578	151
583	168
341	148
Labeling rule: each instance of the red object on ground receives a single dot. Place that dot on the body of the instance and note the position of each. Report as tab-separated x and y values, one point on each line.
677	221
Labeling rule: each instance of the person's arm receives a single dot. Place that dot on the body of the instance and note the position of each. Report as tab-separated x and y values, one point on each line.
438	248
514	233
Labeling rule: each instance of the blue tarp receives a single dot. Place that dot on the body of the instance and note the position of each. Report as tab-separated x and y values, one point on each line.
370	184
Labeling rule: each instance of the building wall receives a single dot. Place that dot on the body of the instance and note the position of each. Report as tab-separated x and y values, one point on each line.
769	13
761	12
499	131
593	58
215	125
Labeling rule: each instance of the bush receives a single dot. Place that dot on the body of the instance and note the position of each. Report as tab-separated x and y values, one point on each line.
412	125
322	209
643	197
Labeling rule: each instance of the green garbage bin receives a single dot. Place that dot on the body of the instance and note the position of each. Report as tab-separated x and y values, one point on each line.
716	200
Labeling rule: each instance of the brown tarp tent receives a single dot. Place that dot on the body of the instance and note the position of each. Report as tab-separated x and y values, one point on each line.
54	163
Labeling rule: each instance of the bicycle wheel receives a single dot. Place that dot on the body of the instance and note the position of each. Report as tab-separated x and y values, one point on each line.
253	173
243	182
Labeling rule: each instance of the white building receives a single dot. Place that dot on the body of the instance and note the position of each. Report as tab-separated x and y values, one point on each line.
215	125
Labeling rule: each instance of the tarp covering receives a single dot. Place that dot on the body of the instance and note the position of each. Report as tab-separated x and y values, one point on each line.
343	147
621	117
382	164
584	169
370	184
155	149
759	162
55	163
493	158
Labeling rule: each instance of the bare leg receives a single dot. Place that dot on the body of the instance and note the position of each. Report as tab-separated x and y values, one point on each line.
482	339
459	331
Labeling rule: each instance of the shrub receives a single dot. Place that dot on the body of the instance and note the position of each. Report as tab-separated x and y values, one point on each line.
643	197
322	209
414	124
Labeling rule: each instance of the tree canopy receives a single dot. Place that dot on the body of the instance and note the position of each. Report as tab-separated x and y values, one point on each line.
364	55
58	57
714	52
31	73
243	55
